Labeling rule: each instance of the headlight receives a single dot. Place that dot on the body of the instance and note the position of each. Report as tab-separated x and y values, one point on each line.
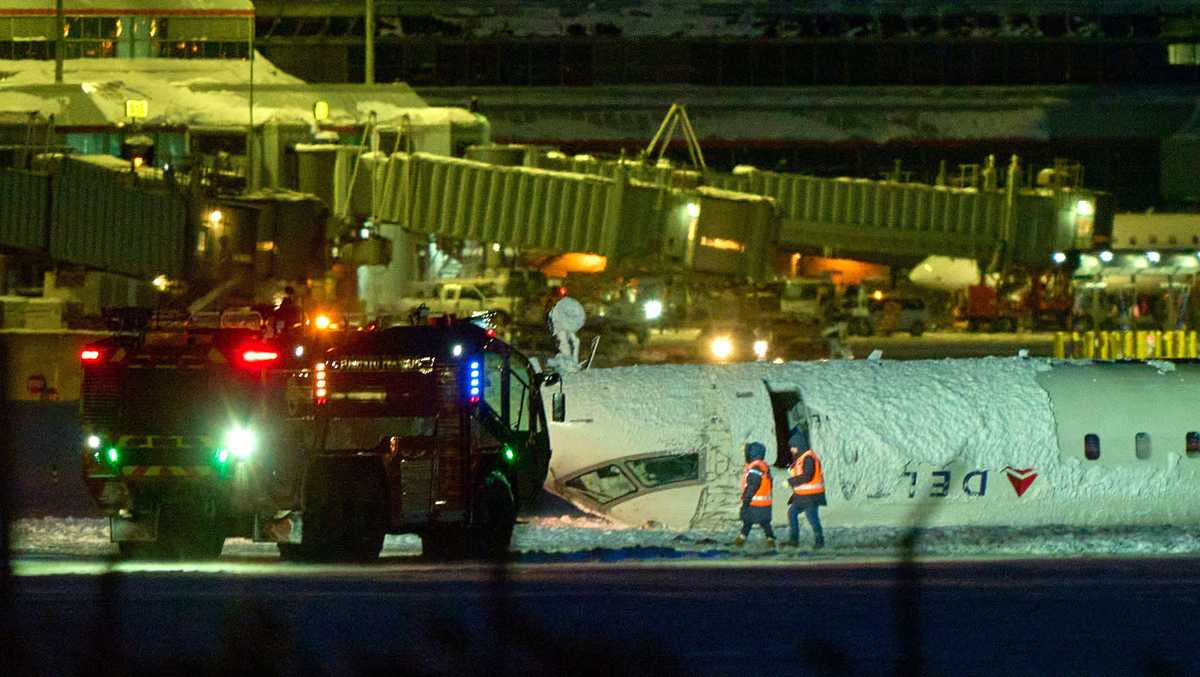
93	441
241	442
653	309
760	349
722	347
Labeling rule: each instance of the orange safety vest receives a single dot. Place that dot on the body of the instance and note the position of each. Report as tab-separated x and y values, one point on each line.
762	497
816	485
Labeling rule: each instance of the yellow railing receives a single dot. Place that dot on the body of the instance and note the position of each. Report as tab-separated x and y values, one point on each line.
1126	345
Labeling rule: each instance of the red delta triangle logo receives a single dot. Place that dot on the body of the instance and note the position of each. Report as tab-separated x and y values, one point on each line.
1020	479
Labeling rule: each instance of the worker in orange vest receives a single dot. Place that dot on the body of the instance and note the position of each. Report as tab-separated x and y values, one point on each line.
807	481
756	495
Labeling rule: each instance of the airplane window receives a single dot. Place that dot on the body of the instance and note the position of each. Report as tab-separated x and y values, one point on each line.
1192	445
1141	444
1091	446
603	484
660	470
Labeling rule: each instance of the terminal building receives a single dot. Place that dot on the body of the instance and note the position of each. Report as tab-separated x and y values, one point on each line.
835	89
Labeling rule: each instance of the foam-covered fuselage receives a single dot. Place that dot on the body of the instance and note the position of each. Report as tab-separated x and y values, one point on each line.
987	442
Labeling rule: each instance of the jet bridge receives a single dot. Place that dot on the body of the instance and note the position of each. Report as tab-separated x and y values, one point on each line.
721	222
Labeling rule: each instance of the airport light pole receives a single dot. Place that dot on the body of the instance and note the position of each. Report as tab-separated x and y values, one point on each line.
60	45
370	38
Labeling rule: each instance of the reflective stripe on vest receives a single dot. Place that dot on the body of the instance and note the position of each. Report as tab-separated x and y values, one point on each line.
816	485
762	497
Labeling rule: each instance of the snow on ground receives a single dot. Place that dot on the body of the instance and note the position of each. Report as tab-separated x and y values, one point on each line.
570	538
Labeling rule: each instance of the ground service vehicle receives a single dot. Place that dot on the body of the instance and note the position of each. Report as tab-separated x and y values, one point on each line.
179	418
433	430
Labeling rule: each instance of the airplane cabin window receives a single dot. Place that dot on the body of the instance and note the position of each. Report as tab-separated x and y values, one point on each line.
1091	446
660	470
603	485
1141	445
1192	444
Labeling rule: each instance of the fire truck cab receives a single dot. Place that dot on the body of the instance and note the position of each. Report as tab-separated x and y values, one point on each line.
185	429
432	430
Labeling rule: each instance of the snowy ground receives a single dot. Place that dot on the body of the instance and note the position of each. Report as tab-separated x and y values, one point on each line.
567	538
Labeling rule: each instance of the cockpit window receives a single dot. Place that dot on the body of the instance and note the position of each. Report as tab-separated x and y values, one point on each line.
660	470
603	485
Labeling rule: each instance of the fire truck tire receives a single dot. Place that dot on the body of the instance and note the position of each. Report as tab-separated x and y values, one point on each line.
345	514
190	530
489	537
498	514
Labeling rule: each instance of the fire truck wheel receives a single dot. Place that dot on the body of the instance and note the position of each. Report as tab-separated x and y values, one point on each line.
193	530
498	514
345	513
366	521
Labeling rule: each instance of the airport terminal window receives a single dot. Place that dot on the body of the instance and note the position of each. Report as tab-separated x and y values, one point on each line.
603	485
660	470
1141	445
1091	446
1192	444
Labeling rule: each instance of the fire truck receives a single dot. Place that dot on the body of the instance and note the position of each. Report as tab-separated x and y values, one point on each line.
434	430
188	436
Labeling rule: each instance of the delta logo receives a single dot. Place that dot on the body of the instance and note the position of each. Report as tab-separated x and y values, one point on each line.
1021	479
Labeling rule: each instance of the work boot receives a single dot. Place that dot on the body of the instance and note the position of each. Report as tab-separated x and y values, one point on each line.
739	541
770	544
819	544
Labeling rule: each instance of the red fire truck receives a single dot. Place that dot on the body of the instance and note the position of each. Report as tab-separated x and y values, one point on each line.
187	432
432	430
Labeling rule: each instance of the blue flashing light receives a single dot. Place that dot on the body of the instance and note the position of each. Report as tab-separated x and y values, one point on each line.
474	365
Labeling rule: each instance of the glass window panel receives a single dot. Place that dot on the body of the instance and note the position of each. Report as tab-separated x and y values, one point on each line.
1091	446
493	370
660	470
1141	445
603	485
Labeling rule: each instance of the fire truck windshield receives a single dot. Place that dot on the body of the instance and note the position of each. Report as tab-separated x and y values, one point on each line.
367	433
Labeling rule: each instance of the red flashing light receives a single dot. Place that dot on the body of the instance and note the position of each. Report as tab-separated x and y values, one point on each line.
89	355
491	333
473	399
562	291
253	356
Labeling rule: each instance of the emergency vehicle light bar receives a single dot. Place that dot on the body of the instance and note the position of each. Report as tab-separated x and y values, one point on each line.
89	355
475	383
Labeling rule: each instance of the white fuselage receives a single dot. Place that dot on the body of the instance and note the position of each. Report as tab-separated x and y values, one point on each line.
978	442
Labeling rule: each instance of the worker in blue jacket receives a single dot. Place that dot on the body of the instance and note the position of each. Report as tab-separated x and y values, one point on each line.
756	494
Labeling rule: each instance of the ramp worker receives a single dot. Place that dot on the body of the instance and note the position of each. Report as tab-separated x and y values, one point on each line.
756	495
807	481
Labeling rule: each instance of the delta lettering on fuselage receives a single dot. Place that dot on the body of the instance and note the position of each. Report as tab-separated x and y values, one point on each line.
972	484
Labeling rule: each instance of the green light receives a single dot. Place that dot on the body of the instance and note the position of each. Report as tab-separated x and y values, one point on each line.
509	454
96	456
113	455
222	456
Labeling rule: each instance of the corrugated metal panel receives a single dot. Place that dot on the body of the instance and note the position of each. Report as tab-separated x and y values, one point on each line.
101	219
516	205
24	207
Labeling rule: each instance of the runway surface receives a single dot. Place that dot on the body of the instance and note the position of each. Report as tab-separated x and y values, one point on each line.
727	614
